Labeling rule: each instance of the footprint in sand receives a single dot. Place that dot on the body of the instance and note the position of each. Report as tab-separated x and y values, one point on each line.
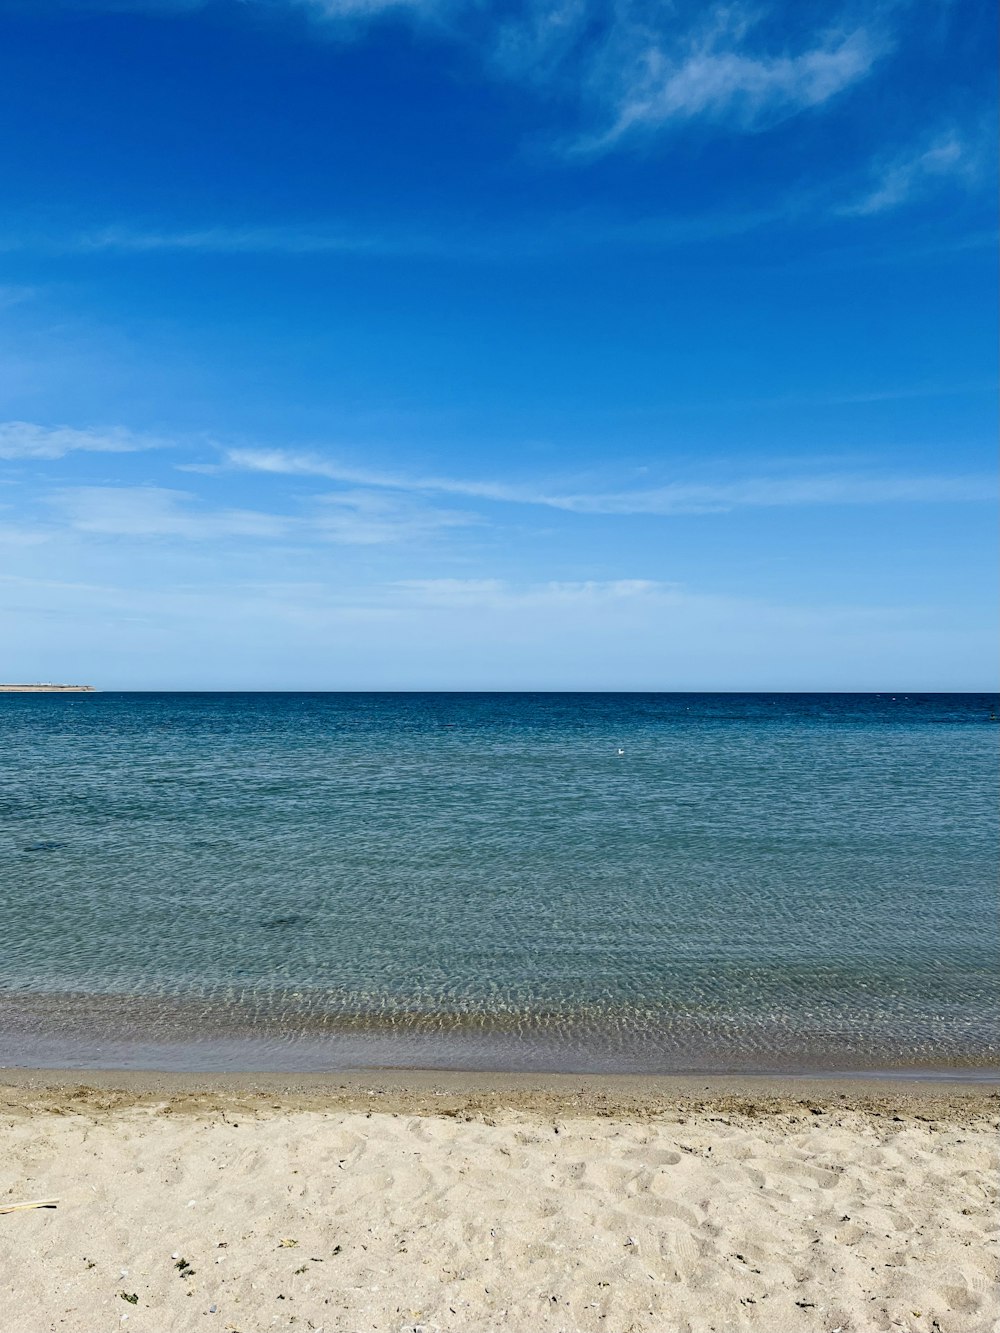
660	1157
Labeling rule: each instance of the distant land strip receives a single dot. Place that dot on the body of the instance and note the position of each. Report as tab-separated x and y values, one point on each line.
45	689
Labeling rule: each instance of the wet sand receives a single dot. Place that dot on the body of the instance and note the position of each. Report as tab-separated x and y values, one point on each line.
426	1091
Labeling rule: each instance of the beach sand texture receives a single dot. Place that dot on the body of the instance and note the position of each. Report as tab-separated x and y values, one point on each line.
435	1211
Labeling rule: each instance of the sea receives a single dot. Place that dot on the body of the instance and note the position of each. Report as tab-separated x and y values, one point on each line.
539	882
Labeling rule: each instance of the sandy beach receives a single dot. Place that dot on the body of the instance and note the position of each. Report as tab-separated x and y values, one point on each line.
409	1201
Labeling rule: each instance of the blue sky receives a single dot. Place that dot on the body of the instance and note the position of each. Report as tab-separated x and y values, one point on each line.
430	344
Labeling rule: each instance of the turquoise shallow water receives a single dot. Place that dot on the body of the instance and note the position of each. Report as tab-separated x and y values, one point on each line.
309	881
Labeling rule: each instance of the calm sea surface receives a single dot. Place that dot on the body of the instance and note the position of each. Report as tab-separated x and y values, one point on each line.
632	882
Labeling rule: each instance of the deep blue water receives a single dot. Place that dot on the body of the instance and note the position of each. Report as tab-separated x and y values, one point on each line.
321	880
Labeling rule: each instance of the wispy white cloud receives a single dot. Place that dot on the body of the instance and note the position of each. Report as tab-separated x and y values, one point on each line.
537	42
291	463
674	498
28	440
288	239
157	511
372	518
553	234
498	594
371	506
362	9
355	518
905	178
646	79
775	492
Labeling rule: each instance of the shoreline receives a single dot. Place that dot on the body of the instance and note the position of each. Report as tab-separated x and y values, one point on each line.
445	1092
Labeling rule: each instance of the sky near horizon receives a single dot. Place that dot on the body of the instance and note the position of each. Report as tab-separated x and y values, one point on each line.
417	344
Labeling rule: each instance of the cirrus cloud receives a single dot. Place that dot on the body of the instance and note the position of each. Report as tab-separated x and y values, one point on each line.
904	178
681	497
28	440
